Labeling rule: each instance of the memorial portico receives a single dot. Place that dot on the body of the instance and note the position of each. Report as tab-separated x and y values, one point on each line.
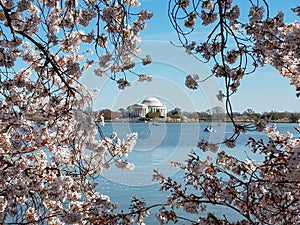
150	104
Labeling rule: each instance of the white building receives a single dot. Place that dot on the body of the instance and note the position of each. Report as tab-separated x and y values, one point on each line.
150	104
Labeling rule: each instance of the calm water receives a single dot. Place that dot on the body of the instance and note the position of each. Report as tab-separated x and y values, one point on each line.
156	147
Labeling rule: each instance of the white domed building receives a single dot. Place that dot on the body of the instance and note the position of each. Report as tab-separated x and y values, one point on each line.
150	104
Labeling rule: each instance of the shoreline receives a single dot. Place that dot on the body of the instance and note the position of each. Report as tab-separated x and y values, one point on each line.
187	121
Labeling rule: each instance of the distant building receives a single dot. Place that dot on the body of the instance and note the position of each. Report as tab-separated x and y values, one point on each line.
150	104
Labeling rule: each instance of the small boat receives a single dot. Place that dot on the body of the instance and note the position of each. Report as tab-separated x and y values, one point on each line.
209	129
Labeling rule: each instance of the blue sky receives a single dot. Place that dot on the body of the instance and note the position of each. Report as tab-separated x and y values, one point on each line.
265	90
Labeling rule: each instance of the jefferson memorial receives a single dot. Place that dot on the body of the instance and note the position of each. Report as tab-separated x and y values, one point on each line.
150	104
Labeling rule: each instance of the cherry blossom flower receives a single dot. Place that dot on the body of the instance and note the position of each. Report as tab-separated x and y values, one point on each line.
145	77
184	3
71	217
147	60
208	18
220	96
230	143
234	13
145	15
190	22
190	47
102	40
3	204
209	4
132	2
122	83
190	82
256	13
207	146
261	124
104	60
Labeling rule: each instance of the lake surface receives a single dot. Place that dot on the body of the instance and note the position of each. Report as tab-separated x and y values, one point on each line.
157	145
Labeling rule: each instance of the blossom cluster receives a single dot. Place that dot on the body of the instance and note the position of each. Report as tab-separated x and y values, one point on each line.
51	144
124	39
275	42
264	192
236	47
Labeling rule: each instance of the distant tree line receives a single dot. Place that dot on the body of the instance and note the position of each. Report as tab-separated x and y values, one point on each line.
214	114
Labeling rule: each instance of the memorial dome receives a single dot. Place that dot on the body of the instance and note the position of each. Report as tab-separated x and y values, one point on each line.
152	101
